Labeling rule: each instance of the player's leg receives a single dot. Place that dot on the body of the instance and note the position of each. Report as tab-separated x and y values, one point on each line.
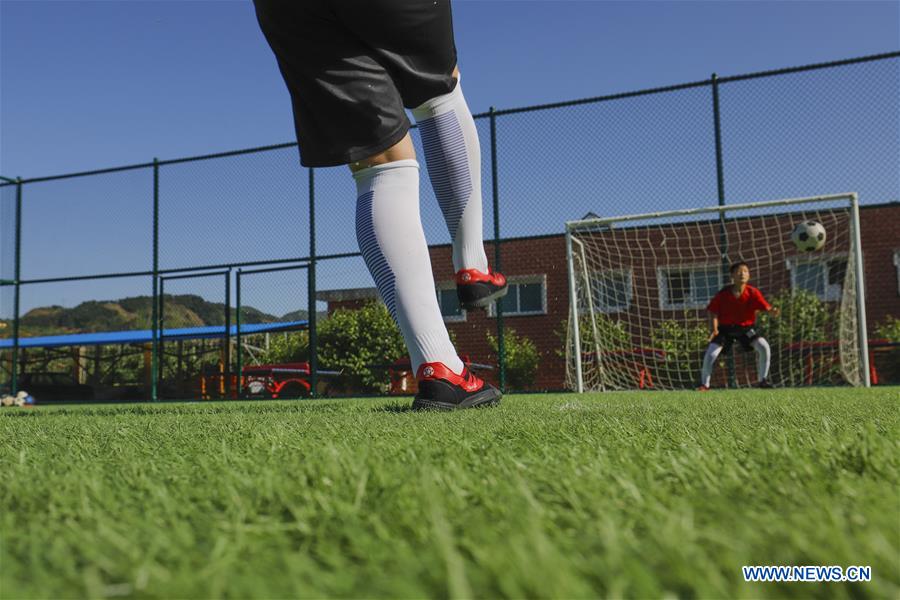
402	150
392	242
763	360
709	360
348	110
453	155
416	43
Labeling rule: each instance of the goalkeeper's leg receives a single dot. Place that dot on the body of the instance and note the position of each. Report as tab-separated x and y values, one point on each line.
763	360
709	360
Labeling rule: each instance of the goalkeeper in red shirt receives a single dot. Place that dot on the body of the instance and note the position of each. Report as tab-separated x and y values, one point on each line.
734	311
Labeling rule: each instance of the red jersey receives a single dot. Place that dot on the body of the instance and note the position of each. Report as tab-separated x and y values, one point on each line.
738	310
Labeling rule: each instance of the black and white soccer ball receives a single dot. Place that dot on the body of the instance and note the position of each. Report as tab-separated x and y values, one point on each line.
808	236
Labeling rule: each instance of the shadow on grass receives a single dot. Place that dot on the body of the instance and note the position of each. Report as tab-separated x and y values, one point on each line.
394	408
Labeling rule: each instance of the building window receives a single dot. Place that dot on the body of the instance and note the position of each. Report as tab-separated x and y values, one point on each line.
612	290
821	275
449	303
688	286
897	264
527	295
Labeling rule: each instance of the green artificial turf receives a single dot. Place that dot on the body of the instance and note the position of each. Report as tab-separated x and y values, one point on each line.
565	496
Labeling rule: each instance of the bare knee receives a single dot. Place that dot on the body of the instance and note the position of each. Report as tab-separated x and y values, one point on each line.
402	150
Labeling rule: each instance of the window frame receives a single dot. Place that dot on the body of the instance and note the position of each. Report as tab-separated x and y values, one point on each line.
897	264
693	303
629	273
524	279
823	260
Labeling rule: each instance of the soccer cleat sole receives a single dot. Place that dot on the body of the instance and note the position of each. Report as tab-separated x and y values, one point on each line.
483	302
483	399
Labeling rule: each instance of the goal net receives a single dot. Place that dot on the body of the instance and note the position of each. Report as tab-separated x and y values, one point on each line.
639	286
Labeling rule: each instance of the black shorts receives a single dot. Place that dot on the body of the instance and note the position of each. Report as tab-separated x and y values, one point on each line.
351	66
729	333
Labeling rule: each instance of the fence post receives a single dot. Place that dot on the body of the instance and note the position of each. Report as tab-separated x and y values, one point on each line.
155	362
161	316
237	319
226	359
14	383
311	285
720	184
501	346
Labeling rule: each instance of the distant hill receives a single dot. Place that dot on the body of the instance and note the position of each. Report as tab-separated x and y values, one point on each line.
186	310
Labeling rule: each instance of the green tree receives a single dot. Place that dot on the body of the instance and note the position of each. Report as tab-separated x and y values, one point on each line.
292	346
522	358
356	339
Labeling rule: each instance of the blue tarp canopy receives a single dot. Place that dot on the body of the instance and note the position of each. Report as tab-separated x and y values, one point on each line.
146	336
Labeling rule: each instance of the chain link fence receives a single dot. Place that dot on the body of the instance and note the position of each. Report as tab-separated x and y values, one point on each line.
126	248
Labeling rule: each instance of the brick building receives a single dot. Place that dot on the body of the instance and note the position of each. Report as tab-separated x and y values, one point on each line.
675	284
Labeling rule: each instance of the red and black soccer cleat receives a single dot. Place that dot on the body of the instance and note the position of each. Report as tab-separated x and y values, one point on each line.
442	389
477	290
703	388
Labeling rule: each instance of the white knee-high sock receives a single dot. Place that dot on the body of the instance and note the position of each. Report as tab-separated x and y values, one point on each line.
453	156
709	359
763	357
390	236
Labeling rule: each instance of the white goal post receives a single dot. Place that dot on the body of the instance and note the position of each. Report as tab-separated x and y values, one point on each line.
639	286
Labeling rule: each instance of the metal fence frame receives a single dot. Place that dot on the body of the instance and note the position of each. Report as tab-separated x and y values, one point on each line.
714	83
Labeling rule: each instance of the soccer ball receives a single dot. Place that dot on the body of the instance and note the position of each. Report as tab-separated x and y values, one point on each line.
808	236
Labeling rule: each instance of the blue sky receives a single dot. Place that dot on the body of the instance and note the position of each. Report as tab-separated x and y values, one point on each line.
90	84
87	85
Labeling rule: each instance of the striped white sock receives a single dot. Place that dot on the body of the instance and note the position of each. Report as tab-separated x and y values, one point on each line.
453	156
390	236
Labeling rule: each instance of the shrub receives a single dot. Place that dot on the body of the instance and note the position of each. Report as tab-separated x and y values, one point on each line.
355	339
889	330
887	360
522	359
683	346
804	318
612	332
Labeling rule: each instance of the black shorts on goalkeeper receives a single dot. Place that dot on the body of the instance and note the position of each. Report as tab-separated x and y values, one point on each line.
728	334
